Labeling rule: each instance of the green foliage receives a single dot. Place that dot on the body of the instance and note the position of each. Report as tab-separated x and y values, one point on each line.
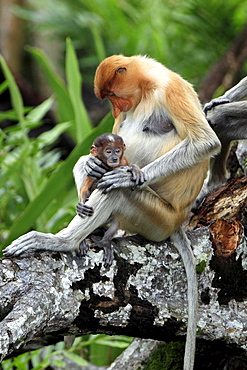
37	189
179	33
56	355
70	105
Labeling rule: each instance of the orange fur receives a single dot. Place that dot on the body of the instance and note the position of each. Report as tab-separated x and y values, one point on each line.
143	86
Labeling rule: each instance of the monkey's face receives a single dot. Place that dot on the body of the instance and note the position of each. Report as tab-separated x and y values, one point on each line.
116	80
112	155
109	148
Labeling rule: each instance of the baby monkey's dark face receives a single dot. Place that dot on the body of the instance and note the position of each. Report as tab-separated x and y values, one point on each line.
109	148
112	155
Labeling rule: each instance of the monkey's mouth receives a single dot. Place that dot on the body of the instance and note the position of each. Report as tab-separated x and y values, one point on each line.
113	164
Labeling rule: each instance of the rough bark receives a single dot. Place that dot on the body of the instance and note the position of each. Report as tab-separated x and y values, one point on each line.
228	202
45	296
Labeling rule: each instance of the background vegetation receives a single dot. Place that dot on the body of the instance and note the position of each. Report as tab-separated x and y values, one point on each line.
45	125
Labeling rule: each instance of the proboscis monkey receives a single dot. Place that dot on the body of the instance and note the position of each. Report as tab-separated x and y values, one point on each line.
228	117
108	148
160	118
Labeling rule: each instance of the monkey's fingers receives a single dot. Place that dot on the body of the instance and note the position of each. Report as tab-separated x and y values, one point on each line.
84	210
95	168
83	248
116	179
213	103
108	252
22	244
138	177
108	256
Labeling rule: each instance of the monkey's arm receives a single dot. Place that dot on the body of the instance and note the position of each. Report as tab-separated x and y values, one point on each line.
86	170
85	189
83	209
88	165
183	156
229	123
190	151
236	93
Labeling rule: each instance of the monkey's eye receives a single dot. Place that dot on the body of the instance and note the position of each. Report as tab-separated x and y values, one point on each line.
110	93
118	151
121	69
108	151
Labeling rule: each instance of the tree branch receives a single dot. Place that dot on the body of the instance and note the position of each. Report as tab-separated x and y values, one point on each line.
48	295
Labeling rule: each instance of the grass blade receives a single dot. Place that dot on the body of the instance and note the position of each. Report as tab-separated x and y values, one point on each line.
65	109
16	98
74	80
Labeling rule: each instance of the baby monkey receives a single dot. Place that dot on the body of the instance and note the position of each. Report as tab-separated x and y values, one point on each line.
108	148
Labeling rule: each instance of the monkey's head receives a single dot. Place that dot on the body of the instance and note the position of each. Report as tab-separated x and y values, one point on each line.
123	81
109	148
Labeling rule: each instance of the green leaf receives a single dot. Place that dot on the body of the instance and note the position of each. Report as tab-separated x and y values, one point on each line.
36	114
64	106
49	137
77	359
74	80
113	343
57	182
58	363
15	95
99	45
3	86
10	114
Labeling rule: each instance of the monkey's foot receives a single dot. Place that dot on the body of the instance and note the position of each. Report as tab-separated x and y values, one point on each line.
83	249
213	103
84	210
35	240
108	252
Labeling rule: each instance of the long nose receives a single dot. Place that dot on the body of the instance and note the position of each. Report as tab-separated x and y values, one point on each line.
100	93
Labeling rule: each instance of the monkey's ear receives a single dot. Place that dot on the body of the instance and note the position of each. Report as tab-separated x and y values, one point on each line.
121	70
94	150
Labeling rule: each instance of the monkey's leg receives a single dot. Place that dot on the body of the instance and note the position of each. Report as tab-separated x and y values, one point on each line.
182	243
124	202
69	238
141	210
105	243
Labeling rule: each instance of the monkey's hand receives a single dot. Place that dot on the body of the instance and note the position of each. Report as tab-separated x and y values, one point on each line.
95	168
108	251
121	177
83	248
84	210
213	103
137	176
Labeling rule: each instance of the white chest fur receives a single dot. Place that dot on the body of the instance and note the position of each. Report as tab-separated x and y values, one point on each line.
145	138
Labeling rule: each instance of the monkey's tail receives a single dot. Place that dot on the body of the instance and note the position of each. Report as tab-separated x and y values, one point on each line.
182	244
